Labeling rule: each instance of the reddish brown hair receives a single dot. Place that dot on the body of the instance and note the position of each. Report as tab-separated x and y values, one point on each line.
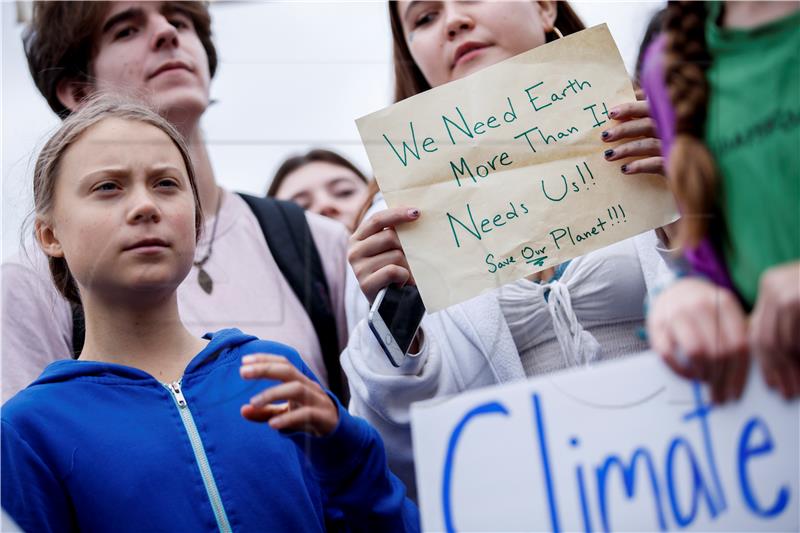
691	168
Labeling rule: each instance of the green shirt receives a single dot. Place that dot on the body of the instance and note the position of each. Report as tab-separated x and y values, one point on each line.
753	131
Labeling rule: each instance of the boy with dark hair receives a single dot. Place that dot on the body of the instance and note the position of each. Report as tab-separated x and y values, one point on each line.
260	265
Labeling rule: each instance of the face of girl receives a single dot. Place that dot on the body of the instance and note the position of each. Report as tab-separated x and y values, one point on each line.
326	189
152	49
451	39
124	212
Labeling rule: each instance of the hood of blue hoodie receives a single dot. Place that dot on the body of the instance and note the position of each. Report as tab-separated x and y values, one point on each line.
221	345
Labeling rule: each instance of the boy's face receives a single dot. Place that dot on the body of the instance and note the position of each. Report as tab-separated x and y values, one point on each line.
150	50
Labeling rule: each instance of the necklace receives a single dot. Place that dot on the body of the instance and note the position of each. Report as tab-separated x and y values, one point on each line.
205	281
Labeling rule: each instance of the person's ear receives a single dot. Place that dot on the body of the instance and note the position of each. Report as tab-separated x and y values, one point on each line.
47	238
548	11
71	92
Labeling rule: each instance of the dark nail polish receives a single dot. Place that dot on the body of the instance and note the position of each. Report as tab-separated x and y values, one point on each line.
612	114
608	153
604	135
624	169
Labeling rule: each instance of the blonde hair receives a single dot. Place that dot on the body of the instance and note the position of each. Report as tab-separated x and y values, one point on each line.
92	111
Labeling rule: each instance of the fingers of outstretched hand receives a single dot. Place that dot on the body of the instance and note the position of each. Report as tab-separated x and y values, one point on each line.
781	371
717	380
383	277
764	339
647	146
375	244
732	347
368	266
300	393
775	326
297	394
384	219
647	165
737	378
638	109
263	413
270	367
692	347
639	127
317	420
663	336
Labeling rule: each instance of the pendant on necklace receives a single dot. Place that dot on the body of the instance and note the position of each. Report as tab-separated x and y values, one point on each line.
204	280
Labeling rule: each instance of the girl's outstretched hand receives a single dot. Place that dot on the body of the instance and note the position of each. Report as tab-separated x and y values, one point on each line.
775	328
303	405
375	252
633	124
700	330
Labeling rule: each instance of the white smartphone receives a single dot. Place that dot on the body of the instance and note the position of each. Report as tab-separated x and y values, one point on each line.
394	319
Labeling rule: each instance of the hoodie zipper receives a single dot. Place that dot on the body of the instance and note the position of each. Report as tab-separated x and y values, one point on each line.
200	455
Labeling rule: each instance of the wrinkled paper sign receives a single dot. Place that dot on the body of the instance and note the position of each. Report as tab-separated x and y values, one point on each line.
507	168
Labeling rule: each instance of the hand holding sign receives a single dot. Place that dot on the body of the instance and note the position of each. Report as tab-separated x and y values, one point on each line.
375	252
506	168
636	124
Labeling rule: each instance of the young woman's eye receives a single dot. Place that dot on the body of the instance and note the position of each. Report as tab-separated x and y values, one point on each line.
107	186
167	183
344	193
423	19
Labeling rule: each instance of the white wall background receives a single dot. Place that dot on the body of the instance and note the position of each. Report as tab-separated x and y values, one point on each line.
292	75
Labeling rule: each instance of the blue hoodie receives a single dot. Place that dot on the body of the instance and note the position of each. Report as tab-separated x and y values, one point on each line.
103	447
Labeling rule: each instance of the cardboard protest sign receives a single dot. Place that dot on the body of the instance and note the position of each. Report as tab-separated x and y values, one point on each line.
507	168
623	446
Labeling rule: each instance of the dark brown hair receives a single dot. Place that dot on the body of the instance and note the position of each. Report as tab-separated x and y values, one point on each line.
690	167
46	171
408	78
60	41
312	156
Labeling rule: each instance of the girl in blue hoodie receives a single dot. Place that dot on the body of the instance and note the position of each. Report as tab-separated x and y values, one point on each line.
153	429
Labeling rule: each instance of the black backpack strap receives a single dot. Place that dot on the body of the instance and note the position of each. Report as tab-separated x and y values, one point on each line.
289	239
78	329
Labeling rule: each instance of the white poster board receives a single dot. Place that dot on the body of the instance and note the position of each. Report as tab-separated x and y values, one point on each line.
622	446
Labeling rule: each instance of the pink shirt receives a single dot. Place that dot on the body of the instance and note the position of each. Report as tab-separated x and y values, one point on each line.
249	293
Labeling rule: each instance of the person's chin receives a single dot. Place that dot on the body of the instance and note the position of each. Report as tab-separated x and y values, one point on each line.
154	284
465	68
179	103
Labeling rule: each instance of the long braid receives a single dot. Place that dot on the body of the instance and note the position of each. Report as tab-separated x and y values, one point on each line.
691	168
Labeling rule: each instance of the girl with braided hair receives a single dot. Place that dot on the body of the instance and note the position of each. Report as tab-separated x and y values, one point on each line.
724	87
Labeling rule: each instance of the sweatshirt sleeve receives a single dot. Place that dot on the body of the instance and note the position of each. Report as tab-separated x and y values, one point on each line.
36	323
351	467
31	493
